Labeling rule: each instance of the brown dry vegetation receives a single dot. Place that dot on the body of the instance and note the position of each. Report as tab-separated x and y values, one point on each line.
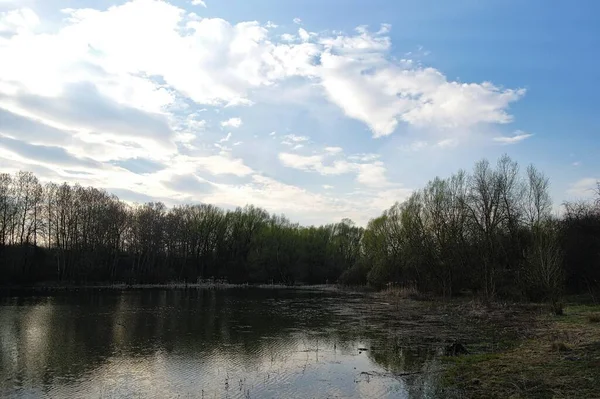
593	317
401	292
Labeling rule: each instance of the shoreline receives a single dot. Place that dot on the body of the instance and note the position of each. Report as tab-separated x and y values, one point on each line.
174	286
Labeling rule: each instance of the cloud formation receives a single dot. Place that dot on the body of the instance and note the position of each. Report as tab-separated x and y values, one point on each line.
141	111
214	62
517	138
17	21
368	172
584	188
232	122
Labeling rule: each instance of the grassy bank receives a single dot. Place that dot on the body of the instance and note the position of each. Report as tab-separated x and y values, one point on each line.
561	359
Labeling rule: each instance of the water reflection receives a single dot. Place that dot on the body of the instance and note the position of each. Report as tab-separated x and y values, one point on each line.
205	343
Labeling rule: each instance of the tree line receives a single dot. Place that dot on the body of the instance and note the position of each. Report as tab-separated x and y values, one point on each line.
73	234
491	231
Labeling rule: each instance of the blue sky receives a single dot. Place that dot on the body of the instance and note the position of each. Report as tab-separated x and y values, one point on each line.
316	109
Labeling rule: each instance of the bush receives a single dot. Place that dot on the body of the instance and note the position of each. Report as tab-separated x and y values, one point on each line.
558	308
356	275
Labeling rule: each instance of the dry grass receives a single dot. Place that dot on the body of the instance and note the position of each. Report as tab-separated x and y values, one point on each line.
562	360
560	346
401	292
593	317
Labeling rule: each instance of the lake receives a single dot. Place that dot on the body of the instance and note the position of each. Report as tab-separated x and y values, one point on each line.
201	343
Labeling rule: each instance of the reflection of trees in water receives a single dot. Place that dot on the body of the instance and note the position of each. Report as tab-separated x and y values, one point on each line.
418	366
396	358
42	339
69	335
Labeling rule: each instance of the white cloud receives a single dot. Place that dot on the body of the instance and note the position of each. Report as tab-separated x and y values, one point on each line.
18	21
276	196
293	140
226	138
304	35
414	146
383	199
334	150
188	128
297	21
419	145
215	62
281	197
239	102
222	165
517	138
447	143
584	188
185	138
372	174
211	61
232	122
369	173
577	163
385	28
104	94
364	157
300	161
199	3
358	75
296	138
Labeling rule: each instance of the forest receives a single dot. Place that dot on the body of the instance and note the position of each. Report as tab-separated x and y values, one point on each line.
491	232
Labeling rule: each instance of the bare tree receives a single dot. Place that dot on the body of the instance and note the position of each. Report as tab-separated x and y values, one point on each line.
537	205
544	270
7	209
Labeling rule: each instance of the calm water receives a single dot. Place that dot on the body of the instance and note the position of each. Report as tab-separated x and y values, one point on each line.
237	343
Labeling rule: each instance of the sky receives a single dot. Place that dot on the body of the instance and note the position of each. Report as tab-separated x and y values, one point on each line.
320	110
